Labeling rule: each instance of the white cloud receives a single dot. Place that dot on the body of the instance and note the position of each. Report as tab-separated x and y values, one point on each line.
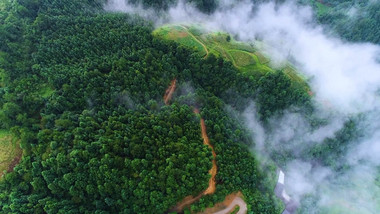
345	75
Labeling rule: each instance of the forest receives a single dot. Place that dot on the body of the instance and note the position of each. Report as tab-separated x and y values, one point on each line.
353	20
357	21
82	90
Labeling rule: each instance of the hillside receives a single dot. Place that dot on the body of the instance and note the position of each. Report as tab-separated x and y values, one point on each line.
106	112
247	58
86	92
357	21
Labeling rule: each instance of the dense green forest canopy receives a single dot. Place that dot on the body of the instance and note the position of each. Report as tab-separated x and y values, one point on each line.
82	91
206	6
352	20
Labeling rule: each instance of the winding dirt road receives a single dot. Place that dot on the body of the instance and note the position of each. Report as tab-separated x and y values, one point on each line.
236	202
228	205
214	169
211	184
232	200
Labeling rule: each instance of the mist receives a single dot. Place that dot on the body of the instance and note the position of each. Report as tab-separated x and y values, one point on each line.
344	78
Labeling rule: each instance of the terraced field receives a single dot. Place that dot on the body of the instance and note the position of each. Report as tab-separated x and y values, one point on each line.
244	56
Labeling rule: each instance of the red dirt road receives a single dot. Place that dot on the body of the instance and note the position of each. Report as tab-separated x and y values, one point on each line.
211	184
231	200
169	92
214	169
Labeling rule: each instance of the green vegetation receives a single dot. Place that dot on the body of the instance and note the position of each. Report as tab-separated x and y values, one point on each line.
357	21
206	6
245	57
235	210
9	150
82	91
322	9
183	36
46	91
238	53
241	58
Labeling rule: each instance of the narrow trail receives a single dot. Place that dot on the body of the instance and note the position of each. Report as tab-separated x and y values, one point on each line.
231	200
203	45
169	92
211	184
214	169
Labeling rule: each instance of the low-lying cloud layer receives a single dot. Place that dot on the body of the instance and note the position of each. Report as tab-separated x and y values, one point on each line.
345	78
341	73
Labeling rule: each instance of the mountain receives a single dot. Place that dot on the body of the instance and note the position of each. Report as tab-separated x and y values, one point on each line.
106	112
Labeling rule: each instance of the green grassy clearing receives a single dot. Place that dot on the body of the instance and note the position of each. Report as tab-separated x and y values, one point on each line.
245	57
9	150
261	58
242	58
181	35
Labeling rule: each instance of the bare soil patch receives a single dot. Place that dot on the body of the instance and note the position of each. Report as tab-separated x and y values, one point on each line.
169	92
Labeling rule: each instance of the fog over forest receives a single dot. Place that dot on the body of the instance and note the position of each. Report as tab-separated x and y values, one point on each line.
344	78
189	106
